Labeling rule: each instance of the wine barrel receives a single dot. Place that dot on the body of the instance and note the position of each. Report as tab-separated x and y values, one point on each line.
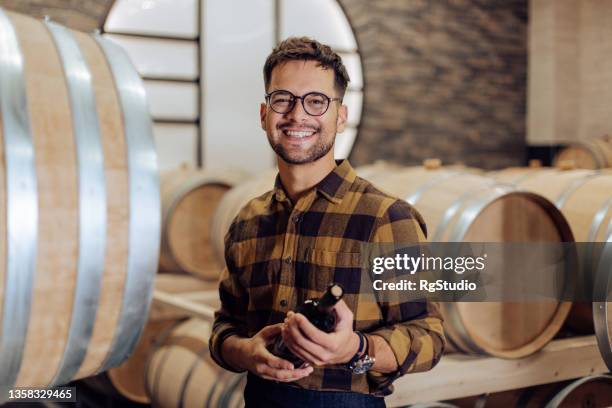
591	391
232	202
128	380
585	199
592	154
465	207
189	200
79	204
181	373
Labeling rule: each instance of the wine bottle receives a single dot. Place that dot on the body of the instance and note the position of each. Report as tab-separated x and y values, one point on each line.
319	312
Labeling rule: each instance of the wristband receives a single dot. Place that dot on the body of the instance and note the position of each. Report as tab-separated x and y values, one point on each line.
361	362
359	352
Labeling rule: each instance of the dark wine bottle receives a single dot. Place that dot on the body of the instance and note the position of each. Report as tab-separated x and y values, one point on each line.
319	312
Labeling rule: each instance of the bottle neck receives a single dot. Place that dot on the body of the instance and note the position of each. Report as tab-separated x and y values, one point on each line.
331	296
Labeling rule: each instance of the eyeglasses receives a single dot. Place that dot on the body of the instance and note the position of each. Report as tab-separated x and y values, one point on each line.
314	103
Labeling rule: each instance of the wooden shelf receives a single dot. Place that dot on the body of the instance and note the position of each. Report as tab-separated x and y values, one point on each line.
459	375
171	306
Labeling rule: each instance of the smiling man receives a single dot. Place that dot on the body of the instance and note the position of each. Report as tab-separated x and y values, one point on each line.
287	245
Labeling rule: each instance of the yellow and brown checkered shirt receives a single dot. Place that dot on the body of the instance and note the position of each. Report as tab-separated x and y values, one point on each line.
279	254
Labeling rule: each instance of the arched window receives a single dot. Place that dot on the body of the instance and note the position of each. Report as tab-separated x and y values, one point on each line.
199	57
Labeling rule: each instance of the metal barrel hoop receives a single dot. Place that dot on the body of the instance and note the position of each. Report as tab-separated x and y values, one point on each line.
91	204
21	205
144	204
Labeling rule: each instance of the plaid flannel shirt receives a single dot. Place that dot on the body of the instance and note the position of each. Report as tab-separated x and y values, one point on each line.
279	254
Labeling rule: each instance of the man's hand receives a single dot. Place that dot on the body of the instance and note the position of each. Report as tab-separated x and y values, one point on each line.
252	354
317	347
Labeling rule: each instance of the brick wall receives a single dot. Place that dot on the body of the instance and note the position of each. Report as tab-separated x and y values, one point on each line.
84	15
443	78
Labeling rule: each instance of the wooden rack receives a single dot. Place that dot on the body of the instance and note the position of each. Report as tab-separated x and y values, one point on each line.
173	305
459	375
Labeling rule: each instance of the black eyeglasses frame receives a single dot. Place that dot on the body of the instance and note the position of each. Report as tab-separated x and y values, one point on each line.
268	97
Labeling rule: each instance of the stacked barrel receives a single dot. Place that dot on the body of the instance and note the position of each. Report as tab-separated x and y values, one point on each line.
190	198
594	153
181	372
585	199
589	391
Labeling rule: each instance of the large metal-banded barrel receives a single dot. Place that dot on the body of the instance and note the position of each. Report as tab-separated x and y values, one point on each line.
181	373
585	199
79	208
189	200
465	207
232	202
595	153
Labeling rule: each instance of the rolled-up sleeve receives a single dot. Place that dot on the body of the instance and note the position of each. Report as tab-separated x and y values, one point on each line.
413	329
230	319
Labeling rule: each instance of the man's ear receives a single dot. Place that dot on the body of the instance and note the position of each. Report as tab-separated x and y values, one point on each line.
262	115
342	117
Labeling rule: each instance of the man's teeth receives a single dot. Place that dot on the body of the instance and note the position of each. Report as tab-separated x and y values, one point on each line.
294	133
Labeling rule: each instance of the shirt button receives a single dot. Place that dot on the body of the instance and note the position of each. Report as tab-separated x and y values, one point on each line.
288	260
283	302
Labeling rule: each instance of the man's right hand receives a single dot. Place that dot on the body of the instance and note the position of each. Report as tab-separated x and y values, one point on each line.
252	354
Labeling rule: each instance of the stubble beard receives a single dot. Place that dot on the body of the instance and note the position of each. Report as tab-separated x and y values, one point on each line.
317	151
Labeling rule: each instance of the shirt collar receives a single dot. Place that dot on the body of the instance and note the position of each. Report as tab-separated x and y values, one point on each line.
333	186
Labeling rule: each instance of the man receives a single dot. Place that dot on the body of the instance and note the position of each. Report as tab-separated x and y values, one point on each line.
287	245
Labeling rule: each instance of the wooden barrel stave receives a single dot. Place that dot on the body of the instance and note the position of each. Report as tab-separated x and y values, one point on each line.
54	146
117	193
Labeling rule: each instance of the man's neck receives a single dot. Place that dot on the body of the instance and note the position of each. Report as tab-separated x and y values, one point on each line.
298	179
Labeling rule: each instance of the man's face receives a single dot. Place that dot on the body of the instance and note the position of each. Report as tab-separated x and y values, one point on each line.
297	137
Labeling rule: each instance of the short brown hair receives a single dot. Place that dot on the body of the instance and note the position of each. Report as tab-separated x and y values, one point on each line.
307	49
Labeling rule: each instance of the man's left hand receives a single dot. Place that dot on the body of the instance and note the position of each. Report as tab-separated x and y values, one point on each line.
317	347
